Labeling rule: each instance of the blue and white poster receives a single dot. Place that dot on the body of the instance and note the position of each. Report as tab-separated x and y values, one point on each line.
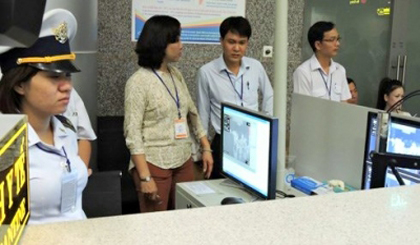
200	19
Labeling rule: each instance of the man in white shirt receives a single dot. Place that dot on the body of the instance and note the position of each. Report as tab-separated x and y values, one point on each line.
320	76
353	91
77	114
231	78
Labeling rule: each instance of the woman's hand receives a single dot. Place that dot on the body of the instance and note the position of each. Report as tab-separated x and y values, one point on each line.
207	163
206	157
149	189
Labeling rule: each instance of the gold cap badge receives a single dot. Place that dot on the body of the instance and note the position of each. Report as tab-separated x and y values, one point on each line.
60	33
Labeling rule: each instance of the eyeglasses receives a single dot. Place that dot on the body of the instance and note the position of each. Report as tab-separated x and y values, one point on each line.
332	40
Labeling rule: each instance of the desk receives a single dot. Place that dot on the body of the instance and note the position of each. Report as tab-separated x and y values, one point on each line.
379	216
186	198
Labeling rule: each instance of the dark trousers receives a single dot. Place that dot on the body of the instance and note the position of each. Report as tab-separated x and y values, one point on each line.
217	157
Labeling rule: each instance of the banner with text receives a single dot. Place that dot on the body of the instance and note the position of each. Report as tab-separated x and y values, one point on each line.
200	19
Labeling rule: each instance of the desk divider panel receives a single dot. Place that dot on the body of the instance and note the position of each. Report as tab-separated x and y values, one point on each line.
328	139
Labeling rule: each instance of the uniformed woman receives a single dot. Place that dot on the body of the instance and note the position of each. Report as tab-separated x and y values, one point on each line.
37	82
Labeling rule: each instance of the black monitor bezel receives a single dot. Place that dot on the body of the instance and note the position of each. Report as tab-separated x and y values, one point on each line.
272	169
371	115
393	118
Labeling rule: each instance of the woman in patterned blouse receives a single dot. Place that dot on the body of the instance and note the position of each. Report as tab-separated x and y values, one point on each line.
158	109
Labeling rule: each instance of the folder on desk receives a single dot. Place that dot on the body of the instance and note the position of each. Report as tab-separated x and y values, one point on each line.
309	186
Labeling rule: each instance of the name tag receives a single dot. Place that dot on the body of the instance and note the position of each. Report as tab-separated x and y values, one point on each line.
68	192
181	131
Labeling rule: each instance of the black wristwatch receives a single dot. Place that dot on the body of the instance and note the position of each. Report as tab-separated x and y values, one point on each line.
147	179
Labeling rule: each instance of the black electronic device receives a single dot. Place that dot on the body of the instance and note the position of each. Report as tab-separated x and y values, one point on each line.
382	161
402	138
20	22
249	149
232	200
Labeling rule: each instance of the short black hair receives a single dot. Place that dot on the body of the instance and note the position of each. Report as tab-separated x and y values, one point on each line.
317	30
157	33
236	24
350	80
386	86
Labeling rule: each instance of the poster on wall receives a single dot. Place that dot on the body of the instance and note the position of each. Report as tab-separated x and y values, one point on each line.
200	19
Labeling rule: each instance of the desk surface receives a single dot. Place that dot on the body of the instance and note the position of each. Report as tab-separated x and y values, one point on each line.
220	188
381	216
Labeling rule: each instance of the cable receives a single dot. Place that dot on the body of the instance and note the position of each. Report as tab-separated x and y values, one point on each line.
230	183
282	194
411	94
399	102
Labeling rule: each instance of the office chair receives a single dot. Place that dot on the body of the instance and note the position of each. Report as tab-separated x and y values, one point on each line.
114	155
102	195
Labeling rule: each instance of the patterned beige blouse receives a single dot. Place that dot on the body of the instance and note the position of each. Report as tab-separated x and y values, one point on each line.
150	114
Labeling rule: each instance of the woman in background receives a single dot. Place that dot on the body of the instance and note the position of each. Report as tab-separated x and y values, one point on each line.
37	82
157	108
390	92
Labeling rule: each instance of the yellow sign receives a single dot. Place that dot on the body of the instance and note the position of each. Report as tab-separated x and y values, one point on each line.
383	11
14	198
354	2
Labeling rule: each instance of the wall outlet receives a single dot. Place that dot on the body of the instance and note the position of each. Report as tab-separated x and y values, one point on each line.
268	51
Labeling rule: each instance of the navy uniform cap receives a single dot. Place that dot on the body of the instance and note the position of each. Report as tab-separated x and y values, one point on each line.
51	52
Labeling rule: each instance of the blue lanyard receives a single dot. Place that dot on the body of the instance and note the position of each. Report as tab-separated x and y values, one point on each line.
242	87
177	102
325	83
51	151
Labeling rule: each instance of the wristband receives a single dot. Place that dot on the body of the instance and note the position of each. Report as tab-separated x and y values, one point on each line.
206	149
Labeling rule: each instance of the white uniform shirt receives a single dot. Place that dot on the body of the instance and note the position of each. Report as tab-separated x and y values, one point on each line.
76	112
46	171
310	79
215	87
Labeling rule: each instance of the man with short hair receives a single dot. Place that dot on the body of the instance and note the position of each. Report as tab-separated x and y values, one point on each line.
77	114
353	91
231	78
320	76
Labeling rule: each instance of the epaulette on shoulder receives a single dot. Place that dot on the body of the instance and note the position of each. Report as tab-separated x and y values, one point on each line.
66	122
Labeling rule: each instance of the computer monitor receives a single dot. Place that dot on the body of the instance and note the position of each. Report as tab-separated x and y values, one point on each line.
403	138
249	149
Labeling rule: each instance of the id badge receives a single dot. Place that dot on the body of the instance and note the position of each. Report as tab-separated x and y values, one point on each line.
68	192
181	129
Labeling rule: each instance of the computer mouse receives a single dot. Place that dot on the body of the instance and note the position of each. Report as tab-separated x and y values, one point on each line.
232	200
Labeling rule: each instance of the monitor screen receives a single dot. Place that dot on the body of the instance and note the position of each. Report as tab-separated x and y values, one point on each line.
249	146
403	138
